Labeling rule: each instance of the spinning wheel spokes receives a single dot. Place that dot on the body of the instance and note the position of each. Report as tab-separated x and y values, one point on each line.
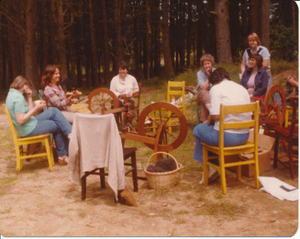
101	100
172	120
275	103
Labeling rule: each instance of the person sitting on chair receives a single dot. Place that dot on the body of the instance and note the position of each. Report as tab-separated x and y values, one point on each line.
255	78
223	91
54	93
50	121
124	85
203	85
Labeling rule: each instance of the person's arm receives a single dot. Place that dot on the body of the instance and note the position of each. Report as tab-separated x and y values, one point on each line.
23	117
113	87
202	80
54	99
292	81
264	84
265	63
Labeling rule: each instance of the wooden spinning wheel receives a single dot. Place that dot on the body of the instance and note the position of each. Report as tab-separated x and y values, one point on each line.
102	100
273	108
164	121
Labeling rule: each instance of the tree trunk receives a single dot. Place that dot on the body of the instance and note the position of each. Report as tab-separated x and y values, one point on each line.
118	28
94	74
235	29
169	71
265	23
31	70
222	32
255	16
61	41
105	40
147	45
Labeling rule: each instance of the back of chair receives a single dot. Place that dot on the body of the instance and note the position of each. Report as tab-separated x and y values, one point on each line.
295	120
177	88
11	124
238	109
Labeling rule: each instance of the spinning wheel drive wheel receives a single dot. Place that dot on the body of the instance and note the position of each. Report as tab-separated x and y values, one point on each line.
101	100
171	120
275	104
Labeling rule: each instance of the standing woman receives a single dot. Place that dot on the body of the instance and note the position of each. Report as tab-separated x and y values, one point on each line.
255	47
54	95
50	121
255	78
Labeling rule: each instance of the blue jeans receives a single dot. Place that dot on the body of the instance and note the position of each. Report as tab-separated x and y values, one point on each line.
208	135
52	121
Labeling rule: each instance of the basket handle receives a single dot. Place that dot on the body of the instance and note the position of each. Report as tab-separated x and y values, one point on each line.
160	152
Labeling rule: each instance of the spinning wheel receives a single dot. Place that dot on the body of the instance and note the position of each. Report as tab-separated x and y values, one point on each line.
273	108
160	118
102	100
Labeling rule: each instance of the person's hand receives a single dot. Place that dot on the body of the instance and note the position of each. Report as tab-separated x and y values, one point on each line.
74	101
40	105
205	85
28	92
292	81
128	95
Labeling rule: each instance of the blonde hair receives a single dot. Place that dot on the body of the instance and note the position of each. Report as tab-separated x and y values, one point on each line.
207	57
254	37
19	82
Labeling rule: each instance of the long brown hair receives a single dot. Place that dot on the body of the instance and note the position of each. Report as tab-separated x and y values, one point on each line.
47	75
19	82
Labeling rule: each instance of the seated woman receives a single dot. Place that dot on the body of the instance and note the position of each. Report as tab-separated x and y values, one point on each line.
49	121
203	86
124	85
255	78
223	91
54	95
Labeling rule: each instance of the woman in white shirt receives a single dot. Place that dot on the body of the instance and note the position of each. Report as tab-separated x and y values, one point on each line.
124	85
223	91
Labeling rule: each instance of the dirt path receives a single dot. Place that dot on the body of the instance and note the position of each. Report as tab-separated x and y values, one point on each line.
41	203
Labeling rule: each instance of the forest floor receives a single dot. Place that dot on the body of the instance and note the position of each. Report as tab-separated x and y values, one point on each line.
38	202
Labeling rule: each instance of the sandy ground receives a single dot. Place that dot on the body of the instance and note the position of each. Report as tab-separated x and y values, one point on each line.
38	202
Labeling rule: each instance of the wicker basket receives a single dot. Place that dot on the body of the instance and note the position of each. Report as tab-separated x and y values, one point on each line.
164	179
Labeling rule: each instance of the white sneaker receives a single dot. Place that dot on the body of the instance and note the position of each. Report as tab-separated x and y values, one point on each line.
213	175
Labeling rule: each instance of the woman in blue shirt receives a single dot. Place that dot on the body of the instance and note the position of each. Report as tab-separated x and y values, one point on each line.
49	121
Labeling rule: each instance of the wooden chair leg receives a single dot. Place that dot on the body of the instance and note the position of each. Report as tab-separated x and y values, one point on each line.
290	155
276	151
102	178
83	187
134	172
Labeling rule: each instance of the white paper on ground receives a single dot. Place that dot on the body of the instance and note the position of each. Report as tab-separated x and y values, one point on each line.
279	189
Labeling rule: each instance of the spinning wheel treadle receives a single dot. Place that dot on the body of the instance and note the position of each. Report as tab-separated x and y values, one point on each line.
159	115
101	100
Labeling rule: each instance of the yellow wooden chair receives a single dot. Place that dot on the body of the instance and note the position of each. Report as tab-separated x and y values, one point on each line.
177	89
222	151
288	112
20	141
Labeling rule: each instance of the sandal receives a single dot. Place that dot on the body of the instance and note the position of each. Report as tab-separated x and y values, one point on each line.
63	160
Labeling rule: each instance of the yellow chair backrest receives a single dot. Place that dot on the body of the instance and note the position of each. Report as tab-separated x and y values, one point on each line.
237	109
11	125
177	89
